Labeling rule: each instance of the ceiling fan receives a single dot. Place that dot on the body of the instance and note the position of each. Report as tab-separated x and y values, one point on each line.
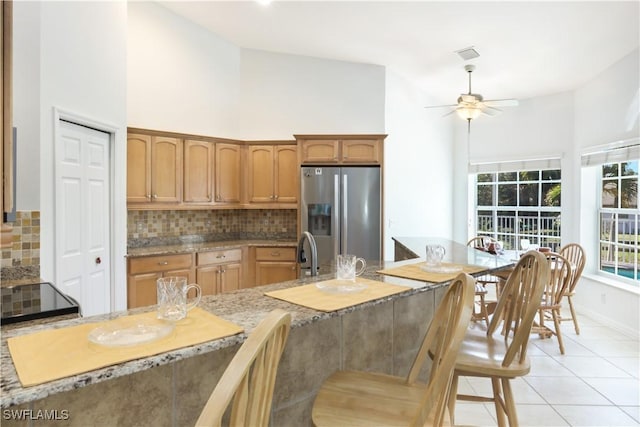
471	105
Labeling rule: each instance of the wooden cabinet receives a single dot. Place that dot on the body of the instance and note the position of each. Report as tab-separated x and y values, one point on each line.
272	174
228	170
7	196
154	169
198	171
320	151
341	149
219	271
145	271
275	264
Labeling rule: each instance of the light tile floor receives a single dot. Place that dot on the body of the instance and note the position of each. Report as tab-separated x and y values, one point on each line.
595	383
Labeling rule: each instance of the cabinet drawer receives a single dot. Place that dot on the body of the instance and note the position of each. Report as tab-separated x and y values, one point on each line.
275	254
218	257
156	263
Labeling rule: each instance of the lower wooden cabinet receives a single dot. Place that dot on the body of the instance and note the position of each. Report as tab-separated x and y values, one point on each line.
275	264
219	271
145	271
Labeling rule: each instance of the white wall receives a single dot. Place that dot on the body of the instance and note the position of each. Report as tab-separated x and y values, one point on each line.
26	103
283	95
606	110
180	77
82	70
184	78
419	168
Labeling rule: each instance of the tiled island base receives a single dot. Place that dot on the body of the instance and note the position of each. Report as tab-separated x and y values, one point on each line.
382	336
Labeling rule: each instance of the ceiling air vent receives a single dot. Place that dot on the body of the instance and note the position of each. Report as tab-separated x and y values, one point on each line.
468	53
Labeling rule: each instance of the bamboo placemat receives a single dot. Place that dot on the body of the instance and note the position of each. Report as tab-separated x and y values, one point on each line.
311	297
58	353
415	272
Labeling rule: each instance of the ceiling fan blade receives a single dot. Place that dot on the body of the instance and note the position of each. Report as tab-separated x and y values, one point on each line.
501	102
449	113
441	106
490	111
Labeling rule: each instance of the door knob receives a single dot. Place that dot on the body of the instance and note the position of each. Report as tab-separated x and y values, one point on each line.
98	260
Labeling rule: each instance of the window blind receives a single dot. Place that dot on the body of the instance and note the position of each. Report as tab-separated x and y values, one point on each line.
515	165
621	151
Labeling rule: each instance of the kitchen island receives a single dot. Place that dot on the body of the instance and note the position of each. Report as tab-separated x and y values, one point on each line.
170	389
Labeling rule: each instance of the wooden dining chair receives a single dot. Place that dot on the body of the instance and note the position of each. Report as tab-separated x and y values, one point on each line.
551	304
482	313
354	398
503	357
250	377
575	254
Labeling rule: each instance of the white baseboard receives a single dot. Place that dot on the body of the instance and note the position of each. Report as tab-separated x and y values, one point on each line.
607	321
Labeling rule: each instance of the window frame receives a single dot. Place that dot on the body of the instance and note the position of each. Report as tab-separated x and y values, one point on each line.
515	235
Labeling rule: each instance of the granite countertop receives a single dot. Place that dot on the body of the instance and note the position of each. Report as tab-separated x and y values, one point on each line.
206	246
245	307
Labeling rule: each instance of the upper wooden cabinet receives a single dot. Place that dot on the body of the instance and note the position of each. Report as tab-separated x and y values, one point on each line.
154	169
198	171
228	172
272	174
173	171
341	149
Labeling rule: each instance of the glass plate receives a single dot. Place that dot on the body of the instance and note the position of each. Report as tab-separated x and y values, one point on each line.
127	332
441	268
341	286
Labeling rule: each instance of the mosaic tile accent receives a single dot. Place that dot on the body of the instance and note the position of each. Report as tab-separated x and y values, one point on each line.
25	246
178	226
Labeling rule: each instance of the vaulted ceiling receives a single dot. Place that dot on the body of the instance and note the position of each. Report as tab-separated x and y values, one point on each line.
526	48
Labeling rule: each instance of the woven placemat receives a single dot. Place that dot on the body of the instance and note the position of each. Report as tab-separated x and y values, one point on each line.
331	298
416	272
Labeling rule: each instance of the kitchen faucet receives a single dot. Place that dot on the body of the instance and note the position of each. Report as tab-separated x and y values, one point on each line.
314	251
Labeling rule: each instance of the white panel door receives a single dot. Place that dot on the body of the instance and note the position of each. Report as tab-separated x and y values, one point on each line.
82	216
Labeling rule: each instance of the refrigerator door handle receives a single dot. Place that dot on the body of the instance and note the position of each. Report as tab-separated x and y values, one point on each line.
336	215
345	216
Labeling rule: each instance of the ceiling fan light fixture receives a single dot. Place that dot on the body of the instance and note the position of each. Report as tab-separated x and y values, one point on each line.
468	112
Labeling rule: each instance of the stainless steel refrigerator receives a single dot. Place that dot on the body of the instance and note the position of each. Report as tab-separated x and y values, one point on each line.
341	207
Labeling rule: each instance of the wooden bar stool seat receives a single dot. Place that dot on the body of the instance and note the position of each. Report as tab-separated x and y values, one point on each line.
354	398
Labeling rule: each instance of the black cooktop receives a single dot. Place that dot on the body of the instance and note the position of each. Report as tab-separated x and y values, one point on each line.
34	301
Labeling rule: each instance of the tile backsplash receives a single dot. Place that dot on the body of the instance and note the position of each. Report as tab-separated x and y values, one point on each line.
22	257
166	227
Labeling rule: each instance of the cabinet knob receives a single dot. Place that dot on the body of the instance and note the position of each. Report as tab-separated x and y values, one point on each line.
276	197
149	196
275	253
220	256
163	263
155	196
98	260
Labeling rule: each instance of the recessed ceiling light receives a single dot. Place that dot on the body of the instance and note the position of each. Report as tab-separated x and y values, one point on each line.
264	2
468	53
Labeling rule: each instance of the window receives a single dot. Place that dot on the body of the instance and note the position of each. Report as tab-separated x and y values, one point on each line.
519	206
619	216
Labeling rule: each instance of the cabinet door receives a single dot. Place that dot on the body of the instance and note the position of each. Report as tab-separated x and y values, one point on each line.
141	290
166	169
138	168
320	151
189	274
361	151
274	271
207	278
230	277
260	174
227	182
198	172
286	173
